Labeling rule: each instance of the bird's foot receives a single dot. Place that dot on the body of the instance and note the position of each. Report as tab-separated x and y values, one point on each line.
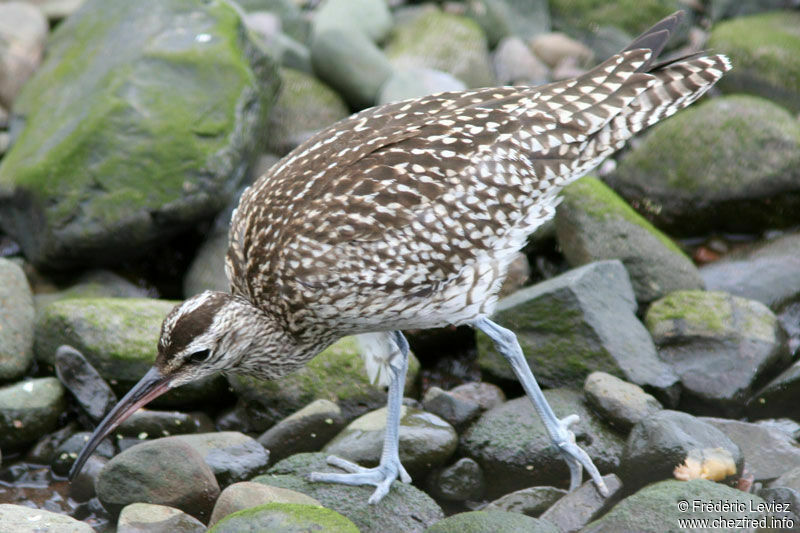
381	476
576	458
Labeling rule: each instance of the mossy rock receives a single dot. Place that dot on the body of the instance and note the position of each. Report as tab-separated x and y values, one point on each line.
152	117
593	223
118	336
765	51
285	518
504	18
305	105
337	374
495	521
729	164
451	43
29	410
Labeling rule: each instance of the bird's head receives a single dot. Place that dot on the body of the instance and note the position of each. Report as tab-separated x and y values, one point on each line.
206	334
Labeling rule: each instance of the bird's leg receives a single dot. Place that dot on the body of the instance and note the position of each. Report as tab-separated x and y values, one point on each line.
389	467
564	440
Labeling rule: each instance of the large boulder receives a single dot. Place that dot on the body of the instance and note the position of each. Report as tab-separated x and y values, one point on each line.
730	164
16	321
152	114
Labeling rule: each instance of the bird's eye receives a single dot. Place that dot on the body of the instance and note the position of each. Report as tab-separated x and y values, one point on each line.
199	357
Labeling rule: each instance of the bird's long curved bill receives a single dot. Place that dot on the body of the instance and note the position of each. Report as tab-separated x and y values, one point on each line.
152	385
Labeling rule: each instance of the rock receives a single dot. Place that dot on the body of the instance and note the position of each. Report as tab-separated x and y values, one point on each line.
517	275
581	506
426	441
351	64
180	89
56	10
232	456
555	48
621	403
442	41
337	374
293	20
405	509
723	9
285	518
283	49
790	479
719	345
304	106
532	501
515	64
81	488
486	395
94	284
165	472
661	506
659	444
23	519
16	320
150	518
416	82
246	494
593	224
463	480
505	18
514	451
23	32
150	424
370	17
729	164
768	272
68	451
778	397
495	521
576	323
118	336
457	411
28	410
306	430
84	382
790	498
768	451
766	56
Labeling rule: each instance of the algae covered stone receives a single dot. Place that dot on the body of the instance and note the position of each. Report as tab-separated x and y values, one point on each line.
765	50
593	223
285	518
140	122
337	374
495	521
729	164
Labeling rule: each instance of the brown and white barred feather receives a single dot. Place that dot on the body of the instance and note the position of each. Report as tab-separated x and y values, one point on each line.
407	215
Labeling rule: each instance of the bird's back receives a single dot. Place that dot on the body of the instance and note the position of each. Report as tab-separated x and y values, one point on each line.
406	215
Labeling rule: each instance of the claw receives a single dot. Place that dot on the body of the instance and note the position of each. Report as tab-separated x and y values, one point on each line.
577	458
381	476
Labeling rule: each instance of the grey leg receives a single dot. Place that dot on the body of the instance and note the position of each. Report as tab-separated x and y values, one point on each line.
506	343
390	467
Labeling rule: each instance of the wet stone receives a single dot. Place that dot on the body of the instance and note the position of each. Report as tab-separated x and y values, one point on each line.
28	410
621	403
151	518
426	441
285	518
150	424
719	345
778	397
68	451
463	480
306	430
81	489
23	519
405	509
232	456
43	451
768	451
84	382
495	521
581	506
16	321
165	472
514	451
453	408
532	501
658	444
246	494
576	323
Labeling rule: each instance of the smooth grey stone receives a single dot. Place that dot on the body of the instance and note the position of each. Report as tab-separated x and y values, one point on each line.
456	410
306	430
232	456
463	480
581	506
417	82
532	501
84	382
494	521
28	410
151	518
621	403
23	519
16	321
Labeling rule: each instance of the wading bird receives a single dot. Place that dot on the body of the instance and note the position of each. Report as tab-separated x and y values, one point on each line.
406	216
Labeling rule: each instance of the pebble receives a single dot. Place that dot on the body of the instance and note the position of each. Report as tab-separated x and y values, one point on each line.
581	506
531	501
463	480
16	319
151	518
23	33
306	430
621	403
246	494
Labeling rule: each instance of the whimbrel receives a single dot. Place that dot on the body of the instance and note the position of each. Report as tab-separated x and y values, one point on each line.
406	216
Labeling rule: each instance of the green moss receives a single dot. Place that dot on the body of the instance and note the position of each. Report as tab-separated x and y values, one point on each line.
600	201
766	46
287	517
700	310
632	16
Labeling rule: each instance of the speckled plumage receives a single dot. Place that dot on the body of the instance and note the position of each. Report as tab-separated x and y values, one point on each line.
408	214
